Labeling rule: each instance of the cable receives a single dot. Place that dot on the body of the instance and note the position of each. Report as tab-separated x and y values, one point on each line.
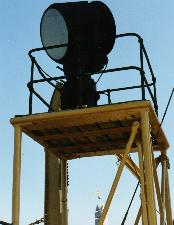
102	73
164	115
60	68
126	214
5	223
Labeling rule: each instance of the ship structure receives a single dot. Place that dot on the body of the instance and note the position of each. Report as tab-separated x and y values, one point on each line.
76	126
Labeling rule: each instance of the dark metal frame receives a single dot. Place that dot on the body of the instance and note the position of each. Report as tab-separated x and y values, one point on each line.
144	83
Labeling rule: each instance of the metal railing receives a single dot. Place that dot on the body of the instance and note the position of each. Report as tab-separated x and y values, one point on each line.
144	85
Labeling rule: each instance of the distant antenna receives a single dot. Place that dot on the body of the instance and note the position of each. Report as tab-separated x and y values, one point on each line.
98	195
98	213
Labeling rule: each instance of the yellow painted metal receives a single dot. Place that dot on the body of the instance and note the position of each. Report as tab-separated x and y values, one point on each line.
165	189
168	201
16	175
143	192
158	192
52	214
64	192
127	113
119	172
148	168
163	181
130	164
138	216
52	187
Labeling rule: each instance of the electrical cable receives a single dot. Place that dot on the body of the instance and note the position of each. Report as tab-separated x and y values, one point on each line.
165	112
102	73
126	214
60	68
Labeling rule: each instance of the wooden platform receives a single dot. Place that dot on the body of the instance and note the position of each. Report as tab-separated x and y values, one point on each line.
91	131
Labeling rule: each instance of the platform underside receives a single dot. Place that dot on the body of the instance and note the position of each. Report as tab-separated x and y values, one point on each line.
91	131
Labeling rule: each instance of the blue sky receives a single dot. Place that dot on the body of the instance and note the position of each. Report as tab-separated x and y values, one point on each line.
20	24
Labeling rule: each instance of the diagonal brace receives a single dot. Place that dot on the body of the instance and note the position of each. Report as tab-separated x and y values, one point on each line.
135	127
131	166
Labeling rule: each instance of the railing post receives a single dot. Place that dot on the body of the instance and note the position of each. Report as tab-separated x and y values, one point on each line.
142	69
30	86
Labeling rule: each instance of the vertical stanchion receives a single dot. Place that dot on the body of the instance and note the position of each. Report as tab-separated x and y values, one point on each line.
168	201
31	87
138	216
142	69
163	181
52	186
52	175
119	172
148	167
143	186
16	176
64	191
158	192
165	190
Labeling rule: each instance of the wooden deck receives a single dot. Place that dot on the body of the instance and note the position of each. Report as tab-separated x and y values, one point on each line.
102	130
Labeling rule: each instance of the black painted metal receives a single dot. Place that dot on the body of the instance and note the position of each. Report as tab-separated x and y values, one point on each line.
31	86
5	223
144	85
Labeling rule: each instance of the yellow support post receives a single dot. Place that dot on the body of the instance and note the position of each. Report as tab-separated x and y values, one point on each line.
64	191
148	167
168	201
52	187
52	214
51	129
158	192
143	186
138	216
16	176
119	172
166	189
163	182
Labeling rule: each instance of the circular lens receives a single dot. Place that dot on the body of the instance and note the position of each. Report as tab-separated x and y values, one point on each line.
54	32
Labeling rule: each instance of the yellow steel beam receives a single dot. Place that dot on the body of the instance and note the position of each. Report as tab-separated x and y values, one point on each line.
158	192
16	175
52	186
143	192
134	169
64	191
168	201
138	216
81	154
119	172
163	181
148	167
52	214
165	189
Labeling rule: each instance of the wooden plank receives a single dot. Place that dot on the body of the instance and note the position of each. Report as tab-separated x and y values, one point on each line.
86	146
80	120
88	126
76	155
129	108
82	134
